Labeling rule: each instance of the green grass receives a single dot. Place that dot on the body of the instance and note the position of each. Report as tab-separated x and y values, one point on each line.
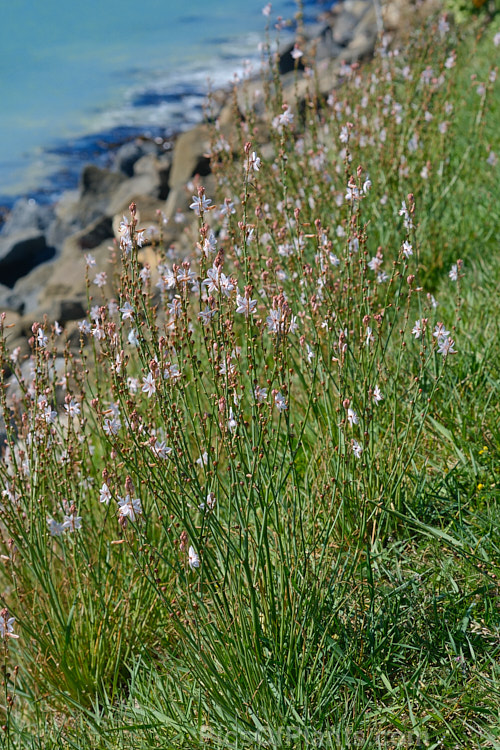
328	576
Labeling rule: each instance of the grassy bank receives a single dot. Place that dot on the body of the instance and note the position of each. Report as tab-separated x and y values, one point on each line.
258	505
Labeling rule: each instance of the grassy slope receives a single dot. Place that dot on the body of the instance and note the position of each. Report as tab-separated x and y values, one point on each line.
395	634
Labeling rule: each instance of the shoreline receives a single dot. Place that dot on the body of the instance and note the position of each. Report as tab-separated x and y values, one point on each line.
160	102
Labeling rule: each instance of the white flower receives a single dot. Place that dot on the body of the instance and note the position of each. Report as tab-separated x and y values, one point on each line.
200	204
133	384
206	315
112	426
377	394
127	311
445	346
280	402
245	305
254	161
149	385
55	528
101	279
375	263
418	328
203	459
352	417
440	331
105	494
175	308
90	260
72	522
171	371
407	249
260	394
72	408
454	272
194	560
286	118
161	449
42	339
228	207
129	508
132	338
357	449
232	424
7	625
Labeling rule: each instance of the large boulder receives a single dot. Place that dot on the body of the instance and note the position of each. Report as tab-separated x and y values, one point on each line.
191	156
20	252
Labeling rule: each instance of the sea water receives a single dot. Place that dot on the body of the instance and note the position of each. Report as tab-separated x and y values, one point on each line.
75	77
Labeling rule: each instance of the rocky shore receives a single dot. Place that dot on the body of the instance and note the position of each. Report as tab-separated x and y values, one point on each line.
42	248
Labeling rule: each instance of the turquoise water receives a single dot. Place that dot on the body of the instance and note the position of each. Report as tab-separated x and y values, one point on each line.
70	69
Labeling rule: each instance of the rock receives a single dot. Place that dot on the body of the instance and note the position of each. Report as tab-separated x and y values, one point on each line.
95	234
10	301
159	170
130	153
70	309
190	156
324	47
343	30
29	287
364	39
144	184
20	252
98	188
